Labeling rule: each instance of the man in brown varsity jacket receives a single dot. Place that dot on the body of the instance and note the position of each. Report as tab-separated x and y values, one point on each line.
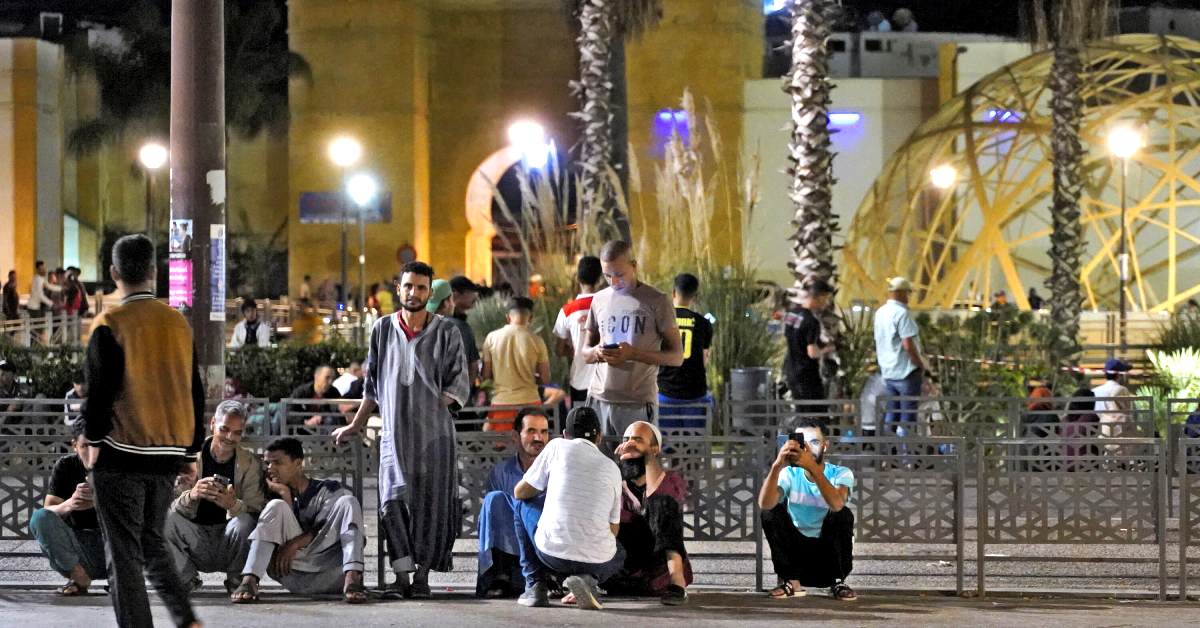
144	420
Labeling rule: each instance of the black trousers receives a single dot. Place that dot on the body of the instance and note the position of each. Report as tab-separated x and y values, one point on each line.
132	509
578	395
647	538
820	562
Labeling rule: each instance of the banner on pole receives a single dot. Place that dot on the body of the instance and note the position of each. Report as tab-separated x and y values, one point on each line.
179	283
216	280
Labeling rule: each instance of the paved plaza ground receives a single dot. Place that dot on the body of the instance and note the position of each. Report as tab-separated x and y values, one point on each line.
707	608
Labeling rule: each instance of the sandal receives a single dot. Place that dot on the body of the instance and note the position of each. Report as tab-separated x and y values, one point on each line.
785	590
72	589
246	593
355	594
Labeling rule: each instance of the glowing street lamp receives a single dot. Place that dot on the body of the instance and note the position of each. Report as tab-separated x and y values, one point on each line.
1124	142
362	189
152	156
943	177
345	151
529	138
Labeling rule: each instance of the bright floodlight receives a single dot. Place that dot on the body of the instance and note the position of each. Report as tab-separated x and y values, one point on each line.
362	189
943	176
1125	141
152	156
529	138
345	151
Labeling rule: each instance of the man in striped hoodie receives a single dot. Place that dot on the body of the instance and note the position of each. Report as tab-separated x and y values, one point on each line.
143	420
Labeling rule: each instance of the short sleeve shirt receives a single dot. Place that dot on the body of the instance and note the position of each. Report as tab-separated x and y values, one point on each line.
67	474
514	353
688	380
801	329
571	324
642	317
583	496
893	323
804	501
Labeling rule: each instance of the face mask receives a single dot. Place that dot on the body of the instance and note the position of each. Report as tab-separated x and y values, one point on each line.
633	468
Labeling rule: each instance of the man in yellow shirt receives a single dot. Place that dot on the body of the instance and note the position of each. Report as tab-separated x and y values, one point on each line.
516	359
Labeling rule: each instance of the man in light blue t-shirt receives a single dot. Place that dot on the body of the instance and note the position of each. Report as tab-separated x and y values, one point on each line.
898	351
805	516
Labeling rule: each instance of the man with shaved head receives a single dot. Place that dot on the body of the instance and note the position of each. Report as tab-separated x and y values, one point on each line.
652	498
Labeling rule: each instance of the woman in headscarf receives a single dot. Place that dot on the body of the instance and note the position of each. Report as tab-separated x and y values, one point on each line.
1081	422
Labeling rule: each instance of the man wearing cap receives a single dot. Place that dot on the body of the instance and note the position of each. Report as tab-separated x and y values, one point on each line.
652	499
515	359
805	350
463	295
898	351
1110	405
442	301
567	513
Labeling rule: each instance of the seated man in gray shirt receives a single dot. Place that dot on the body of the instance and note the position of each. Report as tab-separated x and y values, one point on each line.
572	531
310	538
209	524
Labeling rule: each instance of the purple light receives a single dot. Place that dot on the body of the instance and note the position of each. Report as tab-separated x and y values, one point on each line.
1002	115
844	118
668	122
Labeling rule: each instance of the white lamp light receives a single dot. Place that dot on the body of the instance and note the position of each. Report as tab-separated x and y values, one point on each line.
362	189
1125	141
943	176
152	156
345	151
529	138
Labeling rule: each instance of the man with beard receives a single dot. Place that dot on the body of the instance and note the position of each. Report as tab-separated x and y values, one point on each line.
805	518
416	375
656	562
499	555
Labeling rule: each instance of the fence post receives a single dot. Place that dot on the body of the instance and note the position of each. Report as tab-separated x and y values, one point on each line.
1161	519
1184	515
980	514
758	532
960	485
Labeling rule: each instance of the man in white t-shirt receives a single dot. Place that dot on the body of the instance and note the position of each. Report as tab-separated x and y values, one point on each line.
571	327
567	513
250	330
1111	406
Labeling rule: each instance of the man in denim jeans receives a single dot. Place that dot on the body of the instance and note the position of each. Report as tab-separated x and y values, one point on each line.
898	348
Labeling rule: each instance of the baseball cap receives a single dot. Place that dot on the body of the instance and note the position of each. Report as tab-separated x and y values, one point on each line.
899	284
439	290
583	422
1113	365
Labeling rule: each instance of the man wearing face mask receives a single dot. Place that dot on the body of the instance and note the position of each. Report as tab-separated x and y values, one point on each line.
499	554
805	516
652	498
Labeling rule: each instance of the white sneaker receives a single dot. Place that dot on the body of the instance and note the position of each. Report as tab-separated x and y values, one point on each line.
584	588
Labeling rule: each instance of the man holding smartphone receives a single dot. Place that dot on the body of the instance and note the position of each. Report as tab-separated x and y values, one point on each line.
209	525
805	516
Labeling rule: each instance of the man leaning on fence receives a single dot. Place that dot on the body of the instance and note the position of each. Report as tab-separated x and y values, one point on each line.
806	516
144	418
210	522
310	537
65	526
499	555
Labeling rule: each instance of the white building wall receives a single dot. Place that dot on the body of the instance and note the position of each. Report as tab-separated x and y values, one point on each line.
50	146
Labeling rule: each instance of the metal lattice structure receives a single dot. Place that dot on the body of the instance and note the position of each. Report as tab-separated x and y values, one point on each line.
990	230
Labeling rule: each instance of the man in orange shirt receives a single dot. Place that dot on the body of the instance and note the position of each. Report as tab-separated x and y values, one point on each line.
515	359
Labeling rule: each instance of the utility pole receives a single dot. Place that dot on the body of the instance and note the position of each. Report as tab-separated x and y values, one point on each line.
198	177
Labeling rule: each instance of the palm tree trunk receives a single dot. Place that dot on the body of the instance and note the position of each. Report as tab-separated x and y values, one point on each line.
1066	240
811	161
597	36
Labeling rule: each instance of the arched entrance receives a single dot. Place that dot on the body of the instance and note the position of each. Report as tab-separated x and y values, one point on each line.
479	212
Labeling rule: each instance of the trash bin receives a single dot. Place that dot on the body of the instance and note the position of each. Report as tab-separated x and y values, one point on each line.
749	384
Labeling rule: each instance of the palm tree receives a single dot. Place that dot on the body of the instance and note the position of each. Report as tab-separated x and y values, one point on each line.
1066	26
603	27
811	169
134	77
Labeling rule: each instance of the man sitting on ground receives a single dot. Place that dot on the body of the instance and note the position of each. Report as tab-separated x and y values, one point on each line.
572	531
805	516
209	525
499	565
656	562
66	527
310	538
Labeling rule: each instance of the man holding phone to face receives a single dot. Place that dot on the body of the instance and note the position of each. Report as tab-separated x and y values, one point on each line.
209	525
805	516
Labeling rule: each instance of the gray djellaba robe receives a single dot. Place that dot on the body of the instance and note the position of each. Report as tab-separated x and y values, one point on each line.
418	470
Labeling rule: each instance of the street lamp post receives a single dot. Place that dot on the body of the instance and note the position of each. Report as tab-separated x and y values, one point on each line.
151	156
344	152
362	189
1124	142
943	177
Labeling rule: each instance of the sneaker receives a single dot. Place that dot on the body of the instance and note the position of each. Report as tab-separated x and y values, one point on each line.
584	588
842	591
675	595
535	597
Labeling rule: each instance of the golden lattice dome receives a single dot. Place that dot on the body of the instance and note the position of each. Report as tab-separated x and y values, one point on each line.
990	229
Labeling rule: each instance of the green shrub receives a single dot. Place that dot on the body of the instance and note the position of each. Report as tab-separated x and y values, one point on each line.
47	371
274	372
1182	331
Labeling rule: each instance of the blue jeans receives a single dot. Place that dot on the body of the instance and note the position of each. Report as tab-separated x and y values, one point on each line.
686	418
902	411
536	565
67	547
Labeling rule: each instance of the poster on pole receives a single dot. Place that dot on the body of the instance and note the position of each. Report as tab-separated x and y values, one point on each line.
216	278
179	240
179	283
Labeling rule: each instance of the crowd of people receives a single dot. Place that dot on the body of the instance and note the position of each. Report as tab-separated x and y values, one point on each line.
53	292
155	487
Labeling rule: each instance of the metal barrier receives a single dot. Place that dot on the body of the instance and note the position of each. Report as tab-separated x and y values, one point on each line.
300	416
1110	491
1187	470
51	329
38	411
767	417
